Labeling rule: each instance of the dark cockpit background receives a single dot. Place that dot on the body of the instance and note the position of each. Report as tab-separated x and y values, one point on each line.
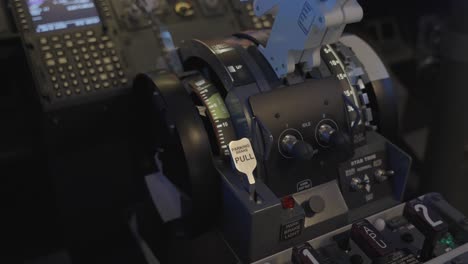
423	43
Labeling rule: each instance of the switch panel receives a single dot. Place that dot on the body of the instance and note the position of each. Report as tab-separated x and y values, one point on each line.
409	233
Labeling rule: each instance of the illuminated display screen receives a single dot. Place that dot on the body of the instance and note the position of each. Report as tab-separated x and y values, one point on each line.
49	15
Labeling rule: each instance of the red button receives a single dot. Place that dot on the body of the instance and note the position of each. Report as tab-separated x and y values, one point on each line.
288	202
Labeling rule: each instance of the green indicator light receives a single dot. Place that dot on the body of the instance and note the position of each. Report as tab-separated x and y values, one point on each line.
448	240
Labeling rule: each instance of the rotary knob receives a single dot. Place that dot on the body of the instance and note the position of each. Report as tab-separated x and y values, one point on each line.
336	139
325	133
184	8
296	148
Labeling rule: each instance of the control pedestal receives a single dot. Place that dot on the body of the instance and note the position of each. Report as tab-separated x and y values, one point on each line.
420	231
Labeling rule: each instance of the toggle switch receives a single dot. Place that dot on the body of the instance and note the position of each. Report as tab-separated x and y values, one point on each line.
356	184
305	254
428	222
382	175
370	240
456	219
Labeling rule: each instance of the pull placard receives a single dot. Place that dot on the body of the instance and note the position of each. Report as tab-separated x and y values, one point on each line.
243	158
